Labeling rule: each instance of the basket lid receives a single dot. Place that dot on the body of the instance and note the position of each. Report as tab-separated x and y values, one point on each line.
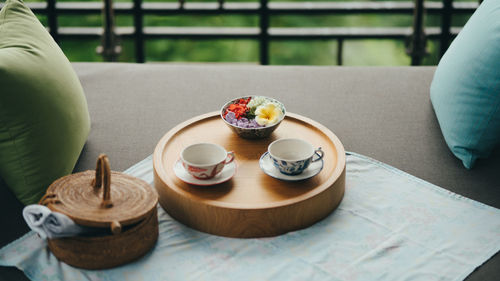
103	198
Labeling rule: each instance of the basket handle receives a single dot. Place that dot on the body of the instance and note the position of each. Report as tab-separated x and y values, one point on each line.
103	178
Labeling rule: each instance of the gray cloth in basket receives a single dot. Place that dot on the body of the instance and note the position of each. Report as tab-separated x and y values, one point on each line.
49	224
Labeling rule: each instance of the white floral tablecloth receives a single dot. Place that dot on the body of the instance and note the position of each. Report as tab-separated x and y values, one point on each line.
389	226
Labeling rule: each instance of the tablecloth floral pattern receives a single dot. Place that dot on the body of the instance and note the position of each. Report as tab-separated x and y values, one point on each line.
389	226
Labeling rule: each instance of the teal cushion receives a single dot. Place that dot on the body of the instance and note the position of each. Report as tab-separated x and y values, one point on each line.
44	120
465	91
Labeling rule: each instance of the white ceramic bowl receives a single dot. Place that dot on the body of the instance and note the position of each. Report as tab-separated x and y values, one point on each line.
252	133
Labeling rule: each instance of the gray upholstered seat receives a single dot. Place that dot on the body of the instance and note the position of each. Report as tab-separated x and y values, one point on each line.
381	112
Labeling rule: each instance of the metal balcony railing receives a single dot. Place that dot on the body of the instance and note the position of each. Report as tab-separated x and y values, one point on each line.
415	35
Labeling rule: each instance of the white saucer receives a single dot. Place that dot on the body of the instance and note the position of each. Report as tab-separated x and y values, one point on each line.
226	174
266	164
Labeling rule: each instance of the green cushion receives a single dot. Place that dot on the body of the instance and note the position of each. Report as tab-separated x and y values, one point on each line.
465	91
44	120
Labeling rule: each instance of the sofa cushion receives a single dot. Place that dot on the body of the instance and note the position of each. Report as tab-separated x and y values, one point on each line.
44	120
465	91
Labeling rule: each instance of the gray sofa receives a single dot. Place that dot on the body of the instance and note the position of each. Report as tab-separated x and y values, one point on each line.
381	112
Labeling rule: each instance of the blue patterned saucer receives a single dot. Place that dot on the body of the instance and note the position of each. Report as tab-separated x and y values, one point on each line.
266	164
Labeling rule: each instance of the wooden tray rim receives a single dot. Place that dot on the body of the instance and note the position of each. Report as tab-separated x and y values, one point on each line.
339	168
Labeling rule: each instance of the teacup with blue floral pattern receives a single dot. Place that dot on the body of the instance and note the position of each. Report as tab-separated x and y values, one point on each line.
292	156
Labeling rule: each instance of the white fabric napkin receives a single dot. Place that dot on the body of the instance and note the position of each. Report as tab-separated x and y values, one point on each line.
49	224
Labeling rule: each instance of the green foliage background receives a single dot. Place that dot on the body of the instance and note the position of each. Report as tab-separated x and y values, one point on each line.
292	52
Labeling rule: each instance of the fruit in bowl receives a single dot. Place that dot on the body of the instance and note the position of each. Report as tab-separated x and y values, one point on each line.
253	117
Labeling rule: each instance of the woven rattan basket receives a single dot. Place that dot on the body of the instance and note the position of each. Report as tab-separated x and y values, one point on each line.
124	207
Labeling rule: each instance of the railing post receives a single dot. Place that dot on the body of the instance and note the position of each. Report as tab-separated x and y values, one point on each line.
446	13
52	19
340	48
139	32
416	48
264	33
110	48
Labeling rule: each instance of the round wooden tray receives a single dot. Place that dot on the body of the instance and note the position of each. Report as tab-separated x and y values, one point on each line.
251	204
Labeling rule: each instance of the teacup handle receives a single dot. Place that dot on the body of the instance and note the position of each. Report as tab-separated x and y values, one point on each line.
229	157
318	152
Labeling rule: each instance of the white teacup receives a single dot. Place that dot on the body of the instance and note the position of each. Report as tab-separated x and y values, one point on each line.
293	156
205	160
